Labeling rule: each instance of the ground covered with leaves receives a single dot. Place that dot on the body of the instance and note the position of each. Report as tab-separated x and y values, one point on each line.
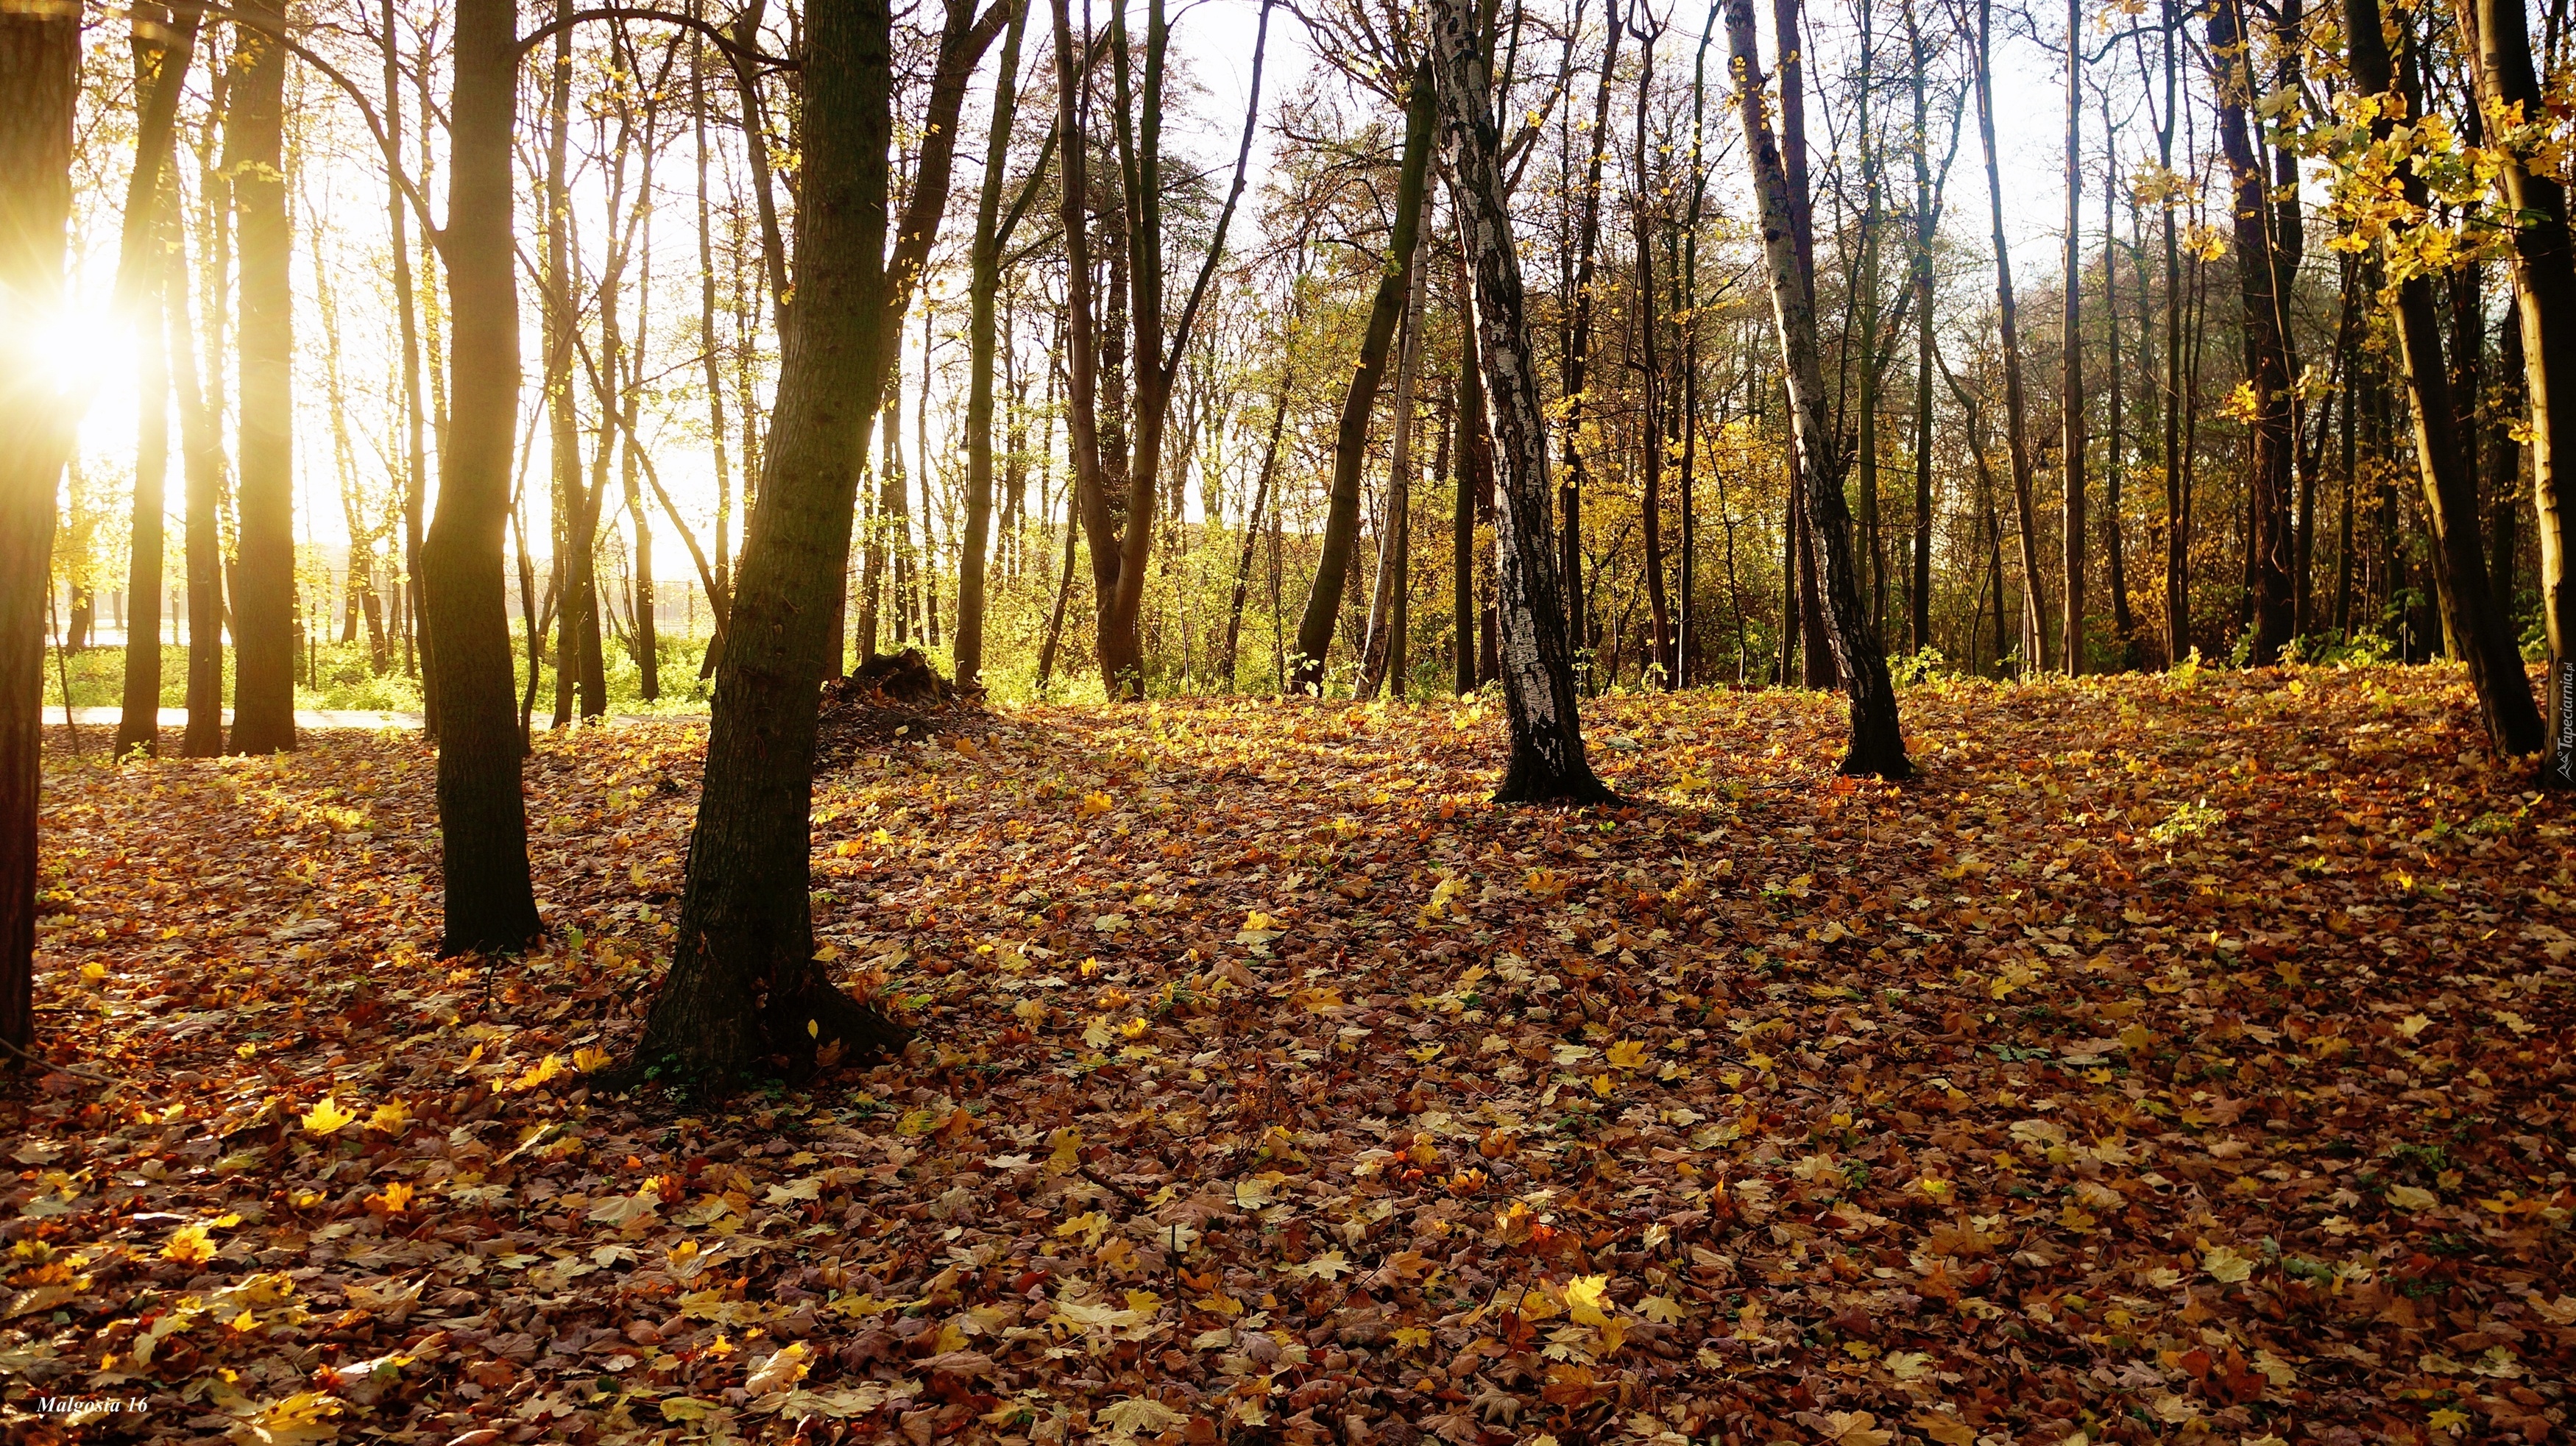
2178	1059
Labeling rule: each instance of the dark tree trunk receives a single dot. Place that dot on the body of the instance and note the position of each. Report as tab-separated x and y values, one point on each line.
744	987
2480	630
1350	440
985	282
202	452
263	574
482	819
39	87
2260	280
1877	742
1578	344
2070	639
1925	224
2034	590
2545	291
1547	762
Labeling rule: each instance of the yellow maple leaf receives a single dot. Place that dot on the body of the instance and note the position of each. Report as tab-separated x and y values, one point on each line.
590	1061
327	1117
390	1118
393	1200
189	1246
1583	1299
540	1072
2225	1266
1627	1054
1093	804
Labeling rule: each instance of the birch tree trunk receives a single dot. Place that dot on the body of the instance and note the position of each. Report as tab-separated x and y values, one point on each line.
1877	745
1537	666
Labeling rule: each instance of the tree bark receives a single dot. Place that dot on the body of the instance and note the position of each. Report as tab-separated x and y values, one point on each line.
490	905
1877	745
1919	595
1537	665
263	574
1350	441
2481	630
1382	651
984	283
2034	630
39	88
2544	277
2070	641
202	453
2260	283
1260	501
744	988
1578	344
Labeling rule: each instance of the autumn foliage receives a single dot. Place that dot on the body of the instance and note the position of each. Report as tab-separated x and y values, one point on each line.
2178	1058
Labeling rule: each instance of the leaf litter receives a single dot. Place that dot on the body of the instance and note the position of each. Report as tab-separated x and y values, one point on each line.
2180	1058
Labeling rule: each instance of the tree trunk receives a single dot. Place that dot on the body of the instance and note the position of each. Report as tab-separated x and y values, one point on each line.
164	44
2544	277
1925	223
2481	630
1547	762
1578	345
201	447
984	283
1877	744
263	574
2261	280
1382	651
39	88
1350	442
1260	500
1650	382
482	819
2034	630
2070	641
744	987
2116	464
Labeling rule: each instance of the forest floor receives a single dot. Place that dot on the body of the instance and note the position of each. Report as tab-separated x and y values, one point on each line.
2177	1059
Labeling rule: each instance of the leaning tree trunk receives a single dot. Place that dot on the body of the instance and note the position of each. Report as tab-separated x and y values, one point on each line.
1877	742
1350	440
2544	275
2034	592
39	85
263	574
483	829
2481	629
1537	663
744	987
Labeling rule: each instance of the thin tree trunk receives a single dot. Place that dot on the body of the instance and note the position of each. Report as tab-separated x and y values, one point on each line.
1877	744
1578	345
1651	419
482	820
2070	641
2116	462
202	457
985	282
1260	501
1350	441
2016	435
1386	599
1547	762
1920	593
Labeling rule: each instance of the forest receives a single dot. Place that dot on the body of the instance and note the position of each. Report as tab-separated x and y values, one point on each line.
1295	721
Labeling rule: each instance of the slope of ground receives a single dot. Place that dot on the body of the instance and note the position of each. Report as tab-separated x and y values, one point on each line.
2180	1058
